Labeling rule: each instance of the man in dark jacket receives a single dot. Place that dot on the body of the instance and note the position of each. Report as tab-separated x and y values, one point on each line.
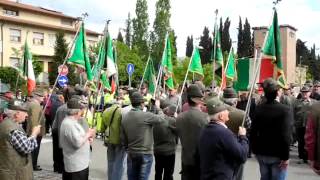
270	134
220	151
230	97
189	125
165	143
301	110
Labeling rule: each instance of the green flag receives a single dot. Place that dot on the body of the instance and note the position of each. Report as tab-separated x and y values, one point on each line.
105	81
167	63
101	58
150	76
195	66
272	50
79	55
219	56
230	72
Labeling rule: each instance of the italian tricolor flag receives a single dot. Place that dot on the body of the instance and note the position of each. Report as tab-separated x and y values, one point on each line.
245	72
28	69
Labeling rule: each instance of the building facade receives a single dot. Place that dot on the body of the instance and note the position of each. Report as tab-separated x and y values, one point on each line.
38	26
288	44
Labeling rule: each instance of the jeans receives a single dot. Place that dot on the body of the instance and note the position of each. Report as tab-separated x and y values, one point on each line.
269	168
164	165
139	166
116	156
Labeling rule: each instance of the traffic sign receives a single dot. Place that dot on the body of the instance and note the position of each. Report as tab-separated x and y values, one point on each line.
63	70
130	69
63	81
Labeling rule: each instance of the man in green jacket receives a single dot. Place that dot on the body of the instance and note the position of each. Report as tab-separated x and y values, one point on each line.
116	155
34	115
15	145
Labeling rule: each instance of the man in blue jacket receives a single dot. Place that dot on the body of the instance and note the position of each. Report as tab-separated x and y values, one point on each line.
221	152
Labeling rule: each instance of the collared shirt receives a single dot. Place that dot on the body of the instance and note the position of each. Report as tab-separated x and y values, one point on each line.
21	142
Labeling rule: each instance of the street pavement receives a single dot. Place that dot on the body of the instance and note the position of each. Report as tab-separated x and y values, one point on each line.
98	165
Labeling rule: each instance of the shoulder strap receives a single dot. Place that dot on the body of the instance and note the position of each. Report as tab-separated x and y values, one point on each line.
112	117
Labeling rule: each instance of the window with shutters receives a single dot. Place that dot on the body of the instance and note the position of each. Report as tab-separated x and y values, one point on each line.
38	38
15	35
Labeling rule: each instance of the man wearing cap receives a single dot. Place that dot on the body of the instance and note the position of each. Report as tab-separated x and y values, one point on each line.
137	137
270	135
230	97
301	110
145	94
15	145
316	90
165	143
189	124
221	152
34	115
75	143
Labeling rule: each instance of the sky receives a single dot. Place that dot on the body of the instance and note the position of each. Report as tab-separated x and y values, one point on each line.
189	17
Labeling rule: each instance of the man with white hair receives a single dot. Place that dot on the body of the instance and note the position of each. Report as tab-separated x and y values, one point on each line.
75	143
15	145
221	152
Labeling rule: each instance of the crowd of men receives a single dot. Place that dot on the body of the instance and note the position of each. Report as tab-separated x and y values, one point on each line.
216	131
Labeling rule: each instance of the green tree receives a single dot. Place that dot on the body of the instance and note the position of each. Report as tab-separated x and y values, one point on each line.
247	40
128	31
120	37
240	50
225	36
37	65
60	52
140	29
189	48
8	75
161	26
124	56
173	41
206	44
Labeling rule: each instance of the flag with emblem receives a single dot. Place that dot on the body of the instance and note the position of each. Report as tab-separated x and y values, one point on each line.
271	64
196	66
150	77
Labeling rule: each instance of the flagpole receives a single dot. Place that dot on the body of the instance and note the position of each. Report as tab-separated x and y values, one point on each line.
214	48
64	62
161	67
224	72
144	73
184	81
259	60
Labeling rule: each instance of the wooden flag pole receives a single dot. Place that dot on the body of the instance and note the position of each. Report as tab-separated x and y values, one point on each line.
184	82
63	64
259	60
144	73
214	49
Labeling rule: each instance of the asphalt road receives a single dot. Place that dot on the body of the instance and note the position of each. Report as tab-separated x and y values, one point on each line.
98	165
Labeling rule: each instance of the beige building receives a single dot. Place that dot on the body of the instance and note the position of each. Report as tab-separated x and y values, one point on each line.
20	22
288	43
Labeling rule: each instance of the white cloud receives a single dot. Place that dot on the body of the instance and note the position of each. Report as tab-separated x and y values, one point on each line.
190	16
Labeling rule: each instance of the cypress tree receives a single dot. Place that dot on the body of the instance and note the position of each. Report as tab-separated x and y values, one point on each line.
128	31
240	39
225	36
189	48
206	44
247	40
120	37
